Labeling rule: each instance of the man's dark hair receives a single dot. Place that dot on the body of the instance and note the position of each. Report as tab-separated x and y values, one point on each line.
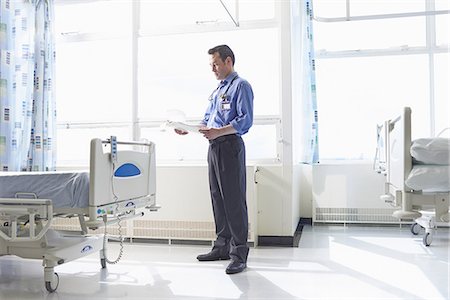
224	51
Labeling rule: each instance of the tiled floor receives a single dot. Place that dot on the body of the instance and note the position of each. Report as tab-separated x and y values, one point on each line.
331	262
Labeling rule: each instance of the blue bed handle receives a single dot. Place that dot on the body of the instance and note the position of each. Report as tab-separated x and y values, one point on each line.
127	170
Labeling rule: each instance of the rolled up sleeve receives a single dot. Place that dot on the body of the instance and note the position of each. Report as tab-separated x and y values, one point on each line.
244	108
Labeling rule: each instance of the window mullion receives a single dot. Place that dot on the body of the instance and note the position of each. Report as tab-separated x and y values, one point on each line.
135	17
431	45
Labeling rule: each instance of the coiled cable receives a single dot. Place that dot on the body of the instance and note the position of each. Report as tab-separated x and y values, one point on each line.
105	238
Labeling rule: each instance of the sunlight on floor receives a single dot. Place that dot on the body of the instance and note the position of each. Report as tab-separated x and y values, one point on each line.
370	261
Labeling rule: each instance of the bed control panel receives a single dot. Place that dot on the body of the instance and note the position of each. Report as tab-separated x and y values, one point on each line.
113	142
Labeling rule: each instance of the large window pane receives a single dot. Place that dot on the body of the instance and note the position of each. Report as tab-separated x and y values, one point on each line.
378	7
113	16
261	142
366	34
442	92
94	81
256	9
442	4
442	29
329	8
74	143
174	71
356	94
337	8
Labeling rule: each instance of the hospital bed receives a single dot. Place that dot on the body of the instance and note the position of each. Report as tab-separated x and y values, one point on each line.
120	184
417	174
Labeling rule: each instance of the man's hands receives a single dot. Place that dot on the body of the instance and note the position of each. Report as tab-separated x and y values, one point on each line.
180	132
211	133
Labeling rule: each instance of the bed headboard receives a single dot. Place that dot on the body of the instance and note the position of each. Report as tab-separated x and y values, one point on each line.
398	144
132	176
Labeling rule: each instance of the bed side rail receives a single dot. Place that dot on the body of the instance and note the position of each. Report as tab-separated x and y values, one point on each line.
111	213
16	213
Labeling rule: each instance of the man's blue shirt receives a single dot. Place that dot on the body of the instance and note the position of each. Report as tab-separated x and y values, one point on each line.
231	103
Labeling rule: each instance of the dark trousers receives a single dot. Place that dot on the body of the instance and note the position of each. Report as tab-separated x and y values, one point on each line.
227	182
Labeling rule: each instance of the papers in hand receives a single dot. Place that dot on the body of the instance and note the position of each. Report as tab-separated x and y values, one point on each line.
183	126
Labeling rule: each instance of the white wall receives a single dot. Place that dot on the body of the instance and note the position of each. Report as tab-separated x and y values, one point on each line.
305	190
347	185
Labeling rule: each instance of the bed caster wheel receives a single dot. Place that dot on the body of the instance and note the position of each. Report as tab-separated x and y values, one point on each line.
51	286
103	262
415	228
427	239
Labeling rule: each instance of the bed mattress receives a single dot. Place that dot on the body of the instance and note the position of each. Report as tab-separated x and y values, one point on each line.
431	178
65	189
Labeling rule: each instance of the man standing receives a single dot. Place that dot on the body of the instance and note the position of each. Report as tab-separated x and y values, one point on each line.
229	115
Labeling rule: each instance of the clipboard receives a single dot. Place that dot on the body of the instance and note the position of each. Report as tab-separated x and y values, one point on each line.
183	126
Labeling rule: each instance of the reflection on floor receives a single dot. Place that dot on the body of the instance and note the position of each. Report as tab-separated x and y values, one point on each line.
331	262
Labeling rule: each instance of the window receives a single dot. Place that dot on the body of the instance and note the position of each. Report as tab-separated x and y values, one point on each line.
369	67
374	89
174	71
97	92
442	90
93	86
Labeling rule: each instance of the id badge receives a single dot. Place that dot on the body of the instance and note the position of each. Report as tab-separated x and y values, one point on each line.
226	105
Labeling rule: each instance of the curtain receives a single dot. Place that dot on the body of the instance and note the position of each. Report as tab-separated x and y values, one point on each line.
309	112
27	103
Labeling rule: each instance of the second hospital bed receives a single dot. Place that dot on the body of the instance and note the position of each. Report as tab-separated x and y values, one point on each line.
417	174
119	184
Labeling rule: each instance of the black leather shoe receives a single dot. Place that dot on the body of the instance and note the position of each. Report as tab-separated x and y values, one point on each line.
213	255
235	267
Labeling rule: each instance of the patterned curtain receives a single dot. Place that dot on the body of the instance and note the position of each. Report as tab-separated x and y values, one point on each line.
28	114
310	151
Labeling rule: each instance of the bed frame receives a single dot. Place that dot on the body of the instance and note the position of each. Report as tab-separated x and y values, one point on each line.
396	166
121	184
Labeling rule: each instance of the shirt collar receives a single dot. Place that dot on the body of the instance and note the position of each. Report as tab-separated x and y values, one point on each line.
228	78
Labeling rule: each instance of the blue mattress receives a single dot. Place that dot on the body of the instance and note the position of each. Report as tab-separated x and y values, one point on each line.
65	189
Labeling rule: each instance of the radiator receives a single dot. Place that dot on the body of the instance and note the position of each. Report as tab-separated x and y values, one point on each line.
349	193
354	215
